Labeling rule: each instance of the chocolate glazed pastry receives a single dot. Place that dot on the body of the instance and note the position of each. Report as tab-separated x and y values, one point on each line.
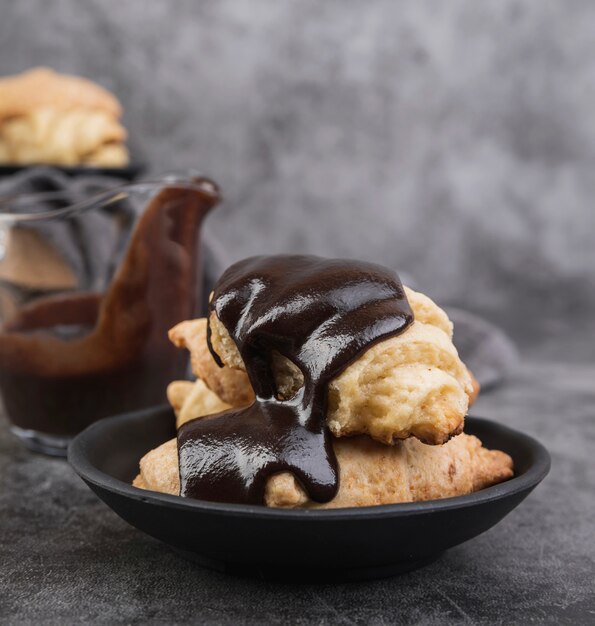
319	313
68	360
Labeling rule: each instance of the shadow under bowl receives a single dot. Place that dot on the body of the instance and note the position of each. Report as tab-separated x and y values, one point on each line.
280	544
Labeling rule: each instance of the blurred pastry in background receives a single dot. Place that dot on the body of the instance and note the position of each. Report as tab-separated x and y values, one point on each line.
58	119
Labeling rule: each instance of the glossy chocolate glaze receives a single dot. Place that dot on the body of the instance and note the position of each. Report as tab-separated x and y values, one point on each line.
319	313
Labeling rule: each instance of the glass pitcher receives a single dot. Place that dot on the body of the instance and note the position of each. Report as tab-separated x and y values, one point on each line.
88	292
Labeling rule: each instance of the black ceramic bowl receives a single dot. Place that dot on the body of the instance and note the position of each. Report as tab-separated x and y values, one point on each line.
346	544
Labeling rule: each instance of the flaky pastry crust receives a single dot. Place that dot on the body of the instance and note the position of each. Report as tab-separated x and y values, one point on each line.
46	117
42	87
193	399
413	384
370	473
231	385
70	138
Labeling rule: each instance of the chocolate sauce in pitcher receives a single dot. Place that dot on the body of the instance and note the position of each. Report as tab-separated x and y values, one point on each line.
70	359
319	313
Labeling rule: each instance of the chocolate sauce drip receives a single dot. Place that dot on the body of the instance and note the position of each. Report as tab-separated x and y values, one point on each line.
319	313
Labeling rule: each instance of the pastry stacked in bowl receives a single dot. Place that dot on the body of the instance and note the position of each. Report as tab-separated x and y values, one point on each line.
392	414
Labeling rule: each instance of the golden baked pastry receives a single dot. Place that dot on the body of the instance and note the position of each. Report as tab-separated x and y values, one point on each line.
40	87
231	385
46	117
413	384
193	399
371	473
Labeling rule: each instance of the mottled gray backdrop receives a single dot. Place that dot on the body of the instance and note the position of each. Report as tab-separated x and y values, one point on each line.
453	140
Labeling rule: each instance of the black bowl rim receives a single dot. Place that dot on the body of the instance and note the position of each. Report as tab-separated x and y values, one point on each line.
91	475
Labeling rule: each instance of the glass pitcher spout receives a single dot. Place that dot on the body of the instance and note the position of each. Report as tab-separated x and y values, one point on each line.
89	339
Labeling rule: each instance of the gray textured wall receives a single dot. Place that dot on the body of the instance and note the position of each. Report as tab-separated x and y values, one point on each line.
454	140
